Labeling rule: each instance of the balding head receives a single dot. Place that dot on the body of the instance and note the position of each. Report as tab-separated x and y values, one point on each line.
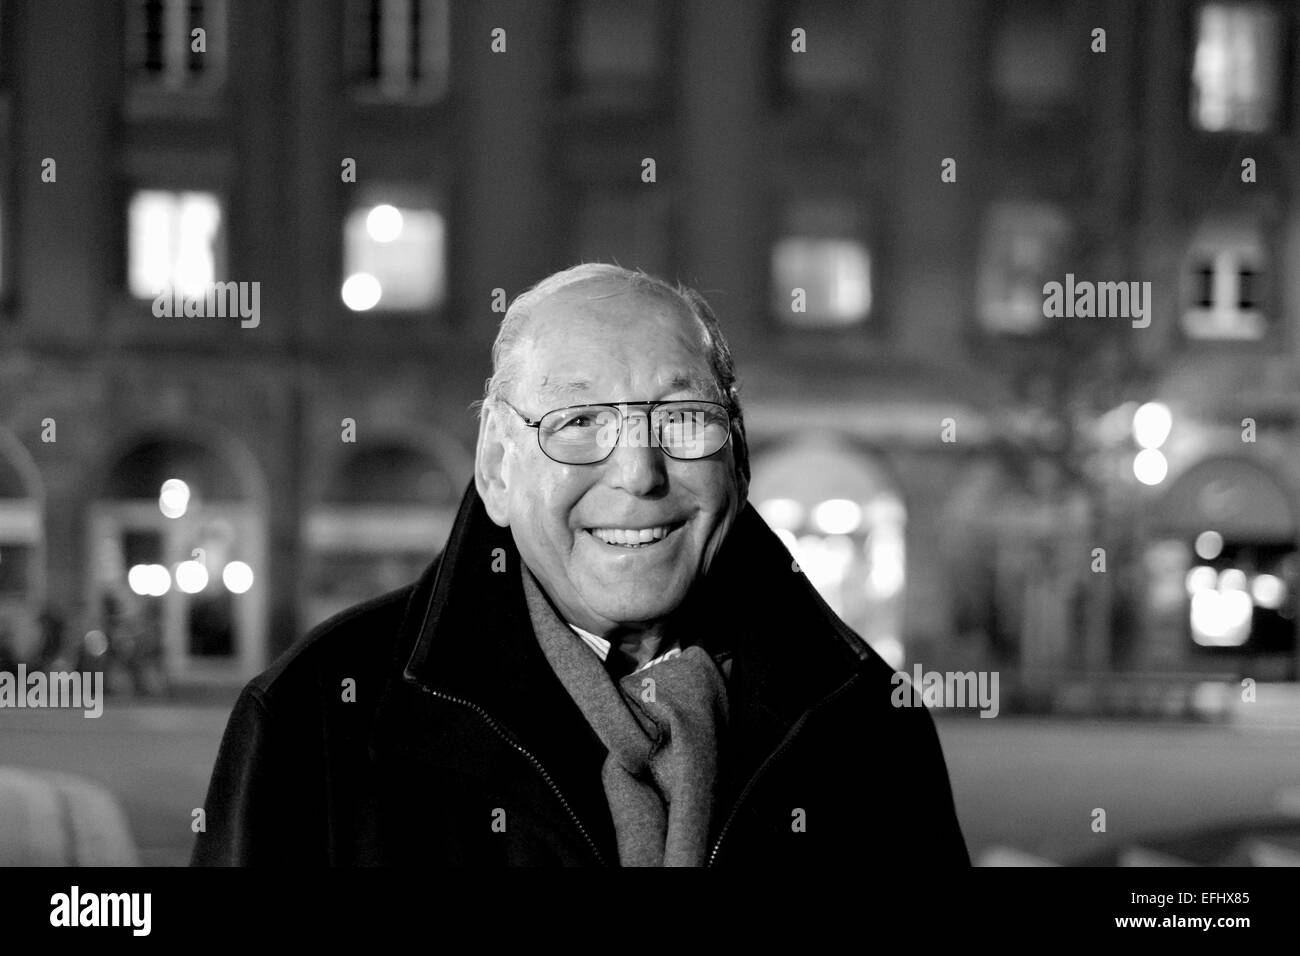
619	542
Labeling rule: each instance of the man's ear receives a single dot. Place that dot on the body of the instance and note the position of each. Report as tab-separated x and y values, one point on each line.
740	453
489	467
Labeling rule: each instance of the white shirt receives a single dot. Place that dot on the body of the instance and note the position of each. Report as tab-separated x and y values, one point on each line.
601	647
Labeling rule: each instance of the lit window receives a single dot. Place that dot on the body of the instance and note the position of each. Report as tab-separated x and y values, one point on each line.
1237	67
399	49
1226	275
174	241
394	258
163	48
630	227
845	525
842	38
821	269
1023	246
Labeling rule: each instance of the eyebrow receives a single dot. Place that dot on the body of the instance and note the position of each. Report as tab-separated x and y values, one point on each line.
574	388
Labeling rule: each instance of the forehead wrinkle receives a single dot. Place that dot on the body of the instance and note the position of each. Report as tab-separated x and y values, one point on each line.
555	390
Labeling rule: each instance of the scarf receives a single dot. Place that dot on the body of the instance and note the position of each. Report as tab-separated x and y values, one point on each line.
660	725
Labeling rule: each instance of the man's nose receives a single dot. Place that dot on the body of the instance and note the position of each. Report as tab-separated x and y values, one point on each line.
637	464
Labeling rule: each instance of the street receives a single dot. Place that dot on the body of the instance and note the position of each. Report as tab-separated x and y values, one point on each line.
1024	783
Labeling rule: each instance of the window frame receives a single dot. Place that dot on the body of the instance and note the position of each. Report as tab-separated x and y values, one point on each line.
199	97
436	81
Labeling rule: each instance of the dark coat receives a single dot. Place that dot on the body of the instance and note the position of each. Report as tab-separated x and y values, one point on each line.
462	747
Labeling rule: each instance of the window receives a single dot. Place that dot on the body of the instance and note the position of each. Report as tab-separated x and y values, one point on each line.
1022	249
821	268
164	49
1236	68
1033	57
399	49
627	226
174	242
843	47
1226	280
615	50
394	257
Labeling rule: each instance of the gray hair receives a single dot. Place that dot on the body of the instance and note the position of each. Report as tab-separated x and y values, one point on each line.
505	358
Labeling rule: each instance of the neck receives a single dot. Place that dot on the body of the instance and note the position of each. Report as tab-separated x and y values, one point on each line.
637	647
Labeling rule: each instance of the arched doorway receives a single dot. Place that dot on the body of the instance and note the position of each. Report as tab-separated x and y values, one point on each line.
22	552
1223	564
178	554
842	518
386	510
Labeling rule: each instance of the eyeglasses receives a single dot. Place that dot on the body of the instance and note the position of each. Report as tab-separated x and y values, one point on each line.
588	434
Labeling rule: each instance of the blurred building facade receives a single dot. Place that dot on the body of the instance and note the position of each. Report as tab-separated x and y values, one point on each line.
872	194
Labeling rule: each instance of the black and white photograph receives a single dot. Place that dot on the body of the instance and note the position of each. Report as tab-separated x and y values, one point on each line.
791	438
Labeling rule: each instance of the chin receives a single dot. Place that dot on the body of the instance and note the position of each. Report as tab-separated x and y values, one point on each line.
634	610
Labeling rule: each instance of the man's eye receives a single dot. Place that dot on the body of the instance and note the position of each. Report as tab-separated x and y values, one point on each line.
576	423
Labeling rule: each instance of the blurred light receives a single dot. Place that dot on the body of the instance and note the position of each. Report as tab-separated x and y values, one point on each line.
1221	618
172	241
191	577
1209	545
822	562
1202	578
138	578
1232	579
149	580
888	569
237	577
891	649
96	642
837	516
1236	68
1268	591
834	273
1152	423
361	291
174	498
407	263
384	223
1150	467
782	513
788	539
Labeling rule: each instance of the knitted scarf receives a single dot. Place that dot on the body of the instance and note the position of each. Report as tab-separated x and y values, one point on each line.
661	727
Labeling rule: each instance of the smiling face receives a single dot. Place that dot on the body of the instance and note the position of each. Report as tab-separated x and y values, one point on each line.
575	525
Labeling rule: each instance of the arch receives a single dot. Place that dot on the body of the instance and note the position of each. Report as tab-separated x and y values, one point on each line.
402	444
839	511
390	470
819	467
199	438
1235	496
207	629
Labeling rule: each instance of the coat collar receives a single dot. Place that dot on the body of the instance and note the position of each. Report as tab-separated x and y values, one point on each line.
467	635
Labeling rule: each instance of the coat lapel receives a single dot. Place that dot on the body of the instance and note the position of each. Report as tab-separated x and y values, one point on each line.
467	636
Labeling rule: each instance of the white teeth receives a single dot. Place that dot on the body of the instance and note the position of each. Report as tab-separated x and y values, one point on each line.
631	537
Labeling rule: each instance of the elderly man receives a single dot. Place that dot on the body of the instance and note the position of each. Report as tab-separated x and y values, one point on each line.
613	661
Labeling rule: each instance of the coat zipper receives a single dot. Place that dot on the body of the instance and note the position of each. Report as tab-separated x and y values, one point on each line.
508	738
789	738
